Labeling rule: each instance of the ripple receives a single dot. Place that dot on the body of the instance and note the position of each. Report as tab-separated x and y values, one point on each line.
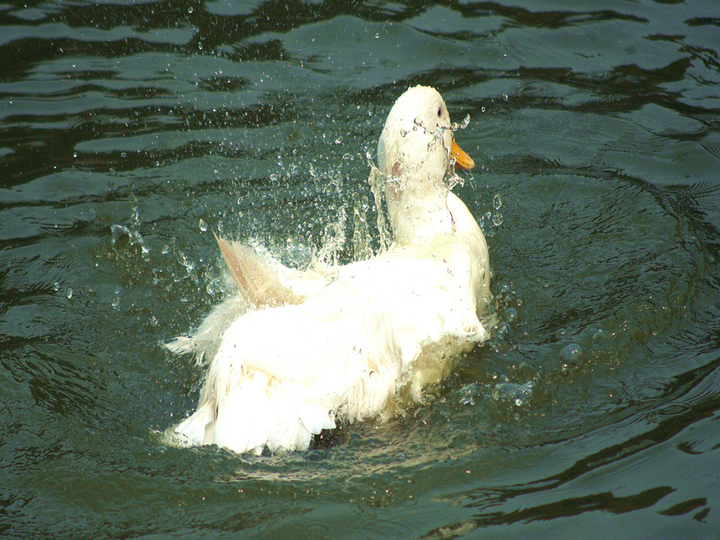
129	131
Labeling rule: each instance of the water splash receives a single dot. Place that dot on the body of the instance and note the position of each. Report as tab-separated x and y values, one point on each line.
361	239
462	125
122	235
378	181
187	264
518	394
333	240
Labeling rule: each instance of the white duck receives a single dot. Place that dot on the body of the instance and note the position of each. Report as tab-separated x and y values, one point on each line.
306	351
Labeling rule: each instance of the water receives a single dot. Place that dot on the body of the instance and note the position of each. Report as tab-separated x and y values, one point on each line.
131	132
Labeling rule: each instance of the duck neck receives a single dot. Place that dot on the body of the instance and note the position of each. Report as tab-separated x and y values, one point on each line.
418	209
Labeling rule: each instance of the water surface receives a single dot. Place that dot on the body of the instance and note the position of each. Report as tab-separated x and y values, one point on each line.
129	132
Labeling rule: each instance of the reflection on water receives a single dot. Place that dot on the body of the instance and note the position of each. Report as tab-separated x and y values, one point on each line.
129	133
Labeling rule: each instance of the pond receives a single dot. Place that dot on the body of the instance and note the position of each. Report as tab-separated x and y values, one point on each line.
131	132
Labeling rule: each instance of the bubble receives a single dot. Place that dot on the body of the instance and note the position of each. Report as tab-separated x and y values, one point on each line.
69	293
526	371
571	354
203	226
502	329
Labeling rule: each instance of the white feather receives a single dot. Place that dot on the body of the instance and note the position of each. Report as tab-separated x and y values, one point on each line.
298	352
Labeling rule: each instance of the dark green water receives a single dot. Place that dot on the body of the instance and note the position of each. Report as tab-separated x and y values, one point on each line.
130	131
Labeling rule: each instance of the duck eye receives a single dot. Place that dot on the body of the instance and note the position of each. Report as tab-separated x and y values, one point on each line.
439	112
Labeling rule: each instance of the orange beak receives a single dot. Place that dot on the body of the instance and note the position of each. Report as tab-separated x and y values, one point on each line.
462	160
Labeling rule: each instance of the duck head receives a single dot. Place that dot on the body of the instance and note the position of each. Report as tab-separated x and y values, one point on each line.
416	152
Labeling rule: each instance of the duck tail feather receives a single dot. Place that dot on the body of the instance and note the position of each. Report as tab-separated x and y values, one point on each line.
258	282
203	344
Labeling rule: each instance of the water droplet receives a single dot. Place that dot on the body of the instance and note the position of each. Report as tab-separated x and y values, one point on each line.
116	299
69	293
497	202
203	225
518	394
497	219
118	233
468	395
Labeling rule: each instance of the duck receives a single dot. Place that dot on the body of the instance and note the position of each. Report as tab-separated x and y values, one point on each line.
299	352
